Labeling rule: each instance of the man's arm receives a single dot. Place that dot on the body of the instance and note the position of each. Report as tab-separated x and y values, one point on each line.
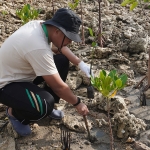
63	91
76	61
70	55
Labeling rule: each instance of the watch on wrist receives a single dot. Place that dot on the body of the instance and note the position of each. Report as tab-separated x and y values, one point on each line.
78	102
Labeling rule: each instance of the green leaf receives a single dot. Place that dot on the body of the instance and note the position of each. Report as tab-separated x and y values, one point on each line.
125	2
112	87
132	6
123	78
28	6
94	44
108	80
118	83
95	82
104	72
102	75
91	31
105	92
112	73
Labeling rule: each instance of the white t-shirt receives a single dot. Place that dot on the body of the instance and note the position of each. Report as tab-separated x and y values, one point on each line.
25	55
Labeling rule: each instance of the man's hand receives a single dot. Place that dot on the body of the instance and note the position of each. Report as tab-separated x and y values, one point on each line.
85	68
82	109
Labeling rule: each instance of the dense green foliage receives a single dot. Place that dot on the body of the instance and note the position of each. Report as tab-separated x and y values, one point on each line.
109	84
27	13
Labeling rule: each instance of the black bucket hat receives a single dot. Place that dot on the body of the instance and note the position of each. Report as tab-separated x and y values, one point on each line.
68	22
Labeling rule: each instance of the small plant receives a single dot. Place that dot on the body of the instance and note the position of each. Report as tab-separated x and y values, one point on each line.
95	37
108	85
4	13
27	13
94	43
74	4
90	89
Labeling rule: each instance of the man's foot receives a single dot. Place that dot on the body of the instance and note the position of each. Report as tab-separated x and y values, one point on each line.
56	114
20	128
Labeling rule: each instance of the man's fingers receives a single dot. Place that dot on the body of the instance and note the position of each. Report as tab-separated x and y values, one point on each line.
82	109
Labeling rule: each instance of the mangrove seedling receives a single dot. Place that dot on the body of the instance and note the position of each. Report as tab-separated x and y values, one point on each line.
74	4
108	84
3	12
90	89
27	13
133	3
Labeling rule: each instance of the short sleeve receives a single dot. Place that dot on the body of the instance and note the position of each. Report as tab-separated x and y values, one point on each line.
42	62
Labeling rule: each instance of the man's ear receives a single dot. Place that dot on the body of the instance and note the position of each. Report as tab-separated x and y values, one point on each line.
57	30
54	32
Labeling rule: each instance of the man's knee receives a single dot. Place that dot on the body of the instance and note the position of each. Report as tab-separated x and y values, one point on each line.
47	102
